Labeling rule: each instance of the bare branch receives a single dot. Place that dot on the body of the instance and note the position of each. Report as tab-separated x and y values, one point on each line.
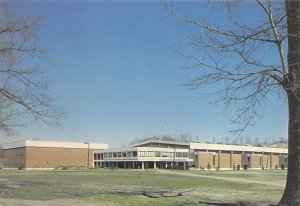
230	56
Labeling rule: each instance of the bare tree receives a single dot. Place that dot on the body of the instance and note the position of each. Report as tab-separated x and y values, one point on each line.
235	56
23	92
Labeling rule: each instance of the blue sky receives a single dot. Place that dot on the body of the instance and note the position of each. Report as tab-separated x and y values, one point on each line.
117	79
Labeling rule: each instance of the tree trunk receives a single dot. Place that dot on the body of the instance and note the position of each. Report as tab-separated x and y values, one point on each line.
291	196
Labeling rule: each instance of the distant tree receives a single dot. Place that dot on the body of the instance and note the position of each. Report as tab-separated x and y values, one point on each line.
226	140
241	140
235	56
256	141
235	141
23	91
185	137
248	140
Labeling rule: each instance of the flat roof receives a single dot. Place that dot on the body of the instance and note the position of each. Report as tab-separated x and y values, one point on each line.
125	149
206	146
161	142
53	144
209	146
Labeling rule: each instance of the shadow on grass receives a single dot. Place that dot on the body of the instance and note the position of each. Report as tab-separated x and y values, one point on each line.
149	194
241	203
167	194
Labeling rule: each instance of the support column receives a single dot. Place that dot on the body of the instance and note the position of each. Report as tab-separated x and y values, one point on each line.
124	165
143	165
271	160
262	160
231	154
219	159
184	166
154	165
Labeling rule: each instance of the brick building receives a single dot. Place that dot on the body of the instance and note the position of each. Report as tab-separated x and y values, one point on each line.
30	154
168	154
161	154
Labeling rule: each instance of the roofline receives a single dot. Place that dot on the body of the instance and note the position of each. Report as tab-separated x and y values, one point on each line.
211	146
161	141
222	147
53	144
122	149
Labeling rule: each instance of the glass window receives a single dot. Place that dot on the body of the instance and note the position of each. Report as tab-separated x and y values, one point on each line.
184	154
123	154
114	154
129	154
95	156
110	155
134	154
164	154
143	154
105	155
157	154
170	154
178	154
119	154
151	154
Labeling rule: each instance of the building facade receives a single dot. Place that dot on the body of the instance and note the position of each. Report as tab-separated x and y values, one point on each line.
142	158
29	154
185	155
156	154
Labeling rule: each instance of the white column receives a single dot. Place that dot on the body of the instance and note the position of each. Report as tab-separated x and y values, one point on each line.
154	166
143	166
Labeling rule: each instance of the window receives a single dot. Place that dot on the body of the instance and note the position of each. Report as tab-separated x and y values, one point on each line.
179	154
214	159
164	154
248	158
184	154
123	154
105	155
157	154
134	154
170	154
95	156
114	154
110	155
143	154
129	154
151	154
119	154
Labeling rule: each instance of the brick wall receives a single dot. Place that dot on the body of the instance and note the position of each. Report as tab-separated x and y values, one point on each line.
14	158
53	157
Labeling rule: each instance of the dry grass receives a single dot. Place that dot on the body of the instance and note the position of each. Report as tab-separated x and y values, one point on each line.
131	187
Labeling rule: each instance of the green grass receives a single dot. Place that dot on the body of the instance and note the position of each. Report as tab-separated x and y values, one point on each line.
131	187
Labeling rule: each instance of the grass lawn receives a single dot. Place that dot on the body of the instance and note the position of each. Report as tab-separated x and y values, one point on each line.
132	187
